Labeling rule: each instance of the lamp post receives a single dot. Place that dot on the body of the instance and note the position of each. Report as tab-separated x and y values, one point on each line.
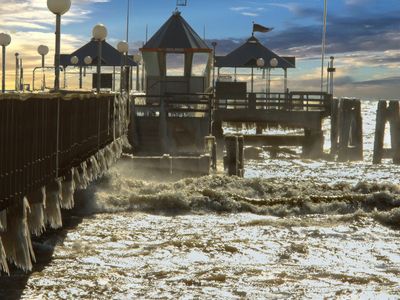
43	51
273	64
5	40
88	61
214	44
74	61
137	58
58	7
123	48
261	64
99	34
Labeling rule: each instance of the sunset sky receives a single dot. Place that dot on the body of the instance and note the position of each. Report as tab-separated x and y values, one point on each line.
363	35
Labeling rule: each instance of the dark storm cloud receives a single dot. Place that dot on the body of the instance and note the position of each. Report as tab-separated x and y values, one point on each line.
364	32
389	81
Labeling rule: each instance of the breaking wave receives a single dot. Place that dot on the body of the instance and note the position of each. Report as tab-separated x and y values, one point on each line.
223	194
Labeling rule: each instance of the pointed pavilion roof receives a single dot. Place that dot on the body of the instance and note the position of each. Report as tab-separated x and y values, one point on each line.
111	57
176	35
247	54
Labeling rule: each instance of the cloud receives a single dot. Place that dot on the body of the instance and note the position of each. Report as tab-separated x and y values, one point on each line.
30	24
249	14
248	11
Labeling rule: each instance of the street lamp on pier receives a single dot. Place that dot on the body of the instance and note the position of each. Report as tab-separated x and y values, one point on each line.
43	51
123	48
99	34
58	7
5	40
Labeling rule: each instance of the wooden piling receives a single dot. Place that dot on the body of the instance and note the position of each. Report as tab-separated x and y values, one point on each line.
350	132
313	146
394	120
334	126
240	147
379	132
232	153
210	147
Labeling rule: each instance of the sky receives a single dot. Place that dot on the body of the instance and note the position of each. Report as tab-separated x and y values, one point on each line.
362	35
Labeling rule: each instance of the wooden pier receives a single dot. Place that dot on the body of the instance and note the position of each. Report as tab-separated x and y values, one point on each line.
304	110
51	145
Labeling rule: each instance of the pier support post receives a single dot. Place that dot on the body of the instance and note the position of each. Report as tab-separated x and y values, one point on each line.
387	113
394	119
313	146
334	126
240	155
350	137
210	146
232	153
379	132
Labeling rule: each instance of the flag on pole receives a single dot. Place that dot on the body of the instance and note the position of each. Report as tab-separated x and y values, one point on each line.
260	28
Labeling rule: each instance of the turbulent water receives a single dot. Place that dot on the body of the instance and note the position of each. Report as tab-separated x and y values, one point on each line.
292	228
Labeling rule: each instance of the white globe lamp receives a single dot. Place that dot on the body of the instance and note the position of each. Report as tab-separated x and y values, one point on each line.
74	60
88	60
5	39
123	47
273	62
99	32
59	7
260	63
43	50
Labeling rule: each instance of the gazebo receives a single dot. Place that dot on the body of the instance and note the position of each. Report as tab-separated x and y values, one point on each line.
247	55
110	57
176	59
174	115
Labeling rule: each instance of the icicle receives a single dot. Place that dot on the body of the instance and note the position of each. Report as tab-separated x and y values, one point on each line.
68	189
3	260
3	220
101	161
3	227
53	210
95	167
84	176
36	217
77	177
17	239
109	156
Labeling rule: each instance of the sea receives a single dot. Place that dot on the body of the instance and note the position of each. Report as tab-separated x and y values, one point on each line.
292	228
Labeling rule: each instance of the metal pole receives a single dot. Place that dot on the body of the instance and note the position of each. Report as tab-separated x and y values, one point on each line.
57	55
80	78
122	74
137	77
3	79
16	71
252	79
43	75
285	81
99	66
214	44
323	46
127	21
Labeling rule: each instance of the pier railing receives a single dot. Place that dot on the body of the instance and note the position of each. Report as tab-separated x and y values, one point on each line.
175	105
42	136
293	101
